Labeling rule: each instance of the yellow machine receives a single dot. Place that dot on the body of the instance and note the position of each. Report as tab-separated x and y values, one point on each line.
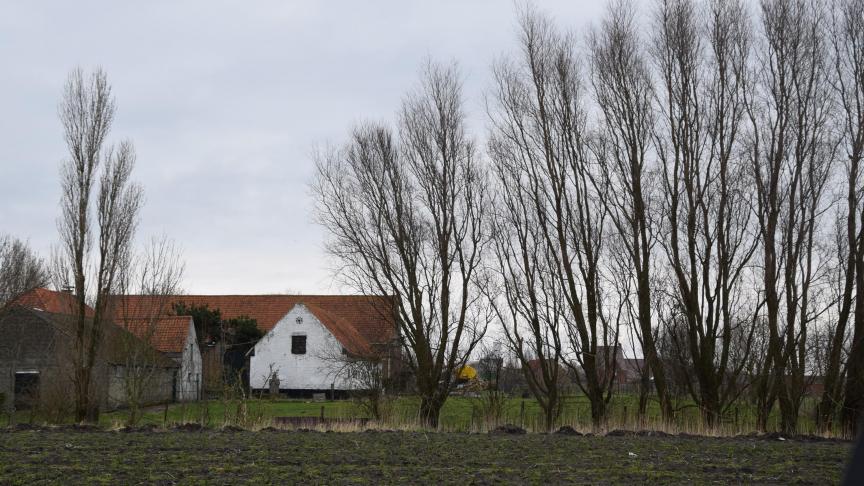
467	373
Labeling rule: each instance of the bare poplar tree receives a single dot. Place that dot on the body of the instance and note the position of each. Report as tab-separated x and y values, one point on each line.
21	270
847	37
790	155
98	199
405	215
549	224
701	67
623	90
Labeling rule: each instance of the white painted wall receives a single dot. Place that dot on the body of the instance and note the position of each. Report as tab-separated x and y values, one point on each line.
189	375
310	371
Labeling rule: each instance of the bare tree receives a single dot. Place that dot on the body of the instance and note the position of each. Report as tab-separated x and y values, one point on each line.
21	270
87	111
790	154
367	375
405	216
847	36
489	405
701	67
156	272
624	92
549	224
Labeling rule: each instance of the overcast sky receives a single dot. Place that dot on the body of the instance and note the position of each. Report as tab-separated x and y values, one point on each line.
224	102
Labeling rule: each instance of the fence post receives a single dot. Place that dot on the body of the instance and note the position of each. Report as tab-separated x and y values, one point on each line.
322	413
522	414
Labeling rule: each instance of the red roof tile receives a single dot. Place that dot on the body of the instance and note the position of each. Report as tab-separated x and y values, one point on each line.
51	301
115	346
342	330
166	334
357	321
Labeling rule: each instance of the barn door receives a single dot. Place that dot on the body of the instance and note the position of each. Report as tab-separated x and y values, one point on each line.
26	389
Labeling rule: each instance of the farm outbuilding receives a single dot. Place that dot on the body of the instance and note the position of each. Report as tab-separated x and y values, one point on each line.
36	363
172	337
175	338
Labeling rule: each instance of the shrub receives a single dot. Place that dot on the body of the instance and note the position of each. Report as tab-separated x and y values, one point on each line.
488	407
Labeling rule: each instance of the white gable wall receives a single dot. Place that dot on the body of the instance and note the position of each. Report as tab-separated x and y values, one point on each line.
189	375
315	370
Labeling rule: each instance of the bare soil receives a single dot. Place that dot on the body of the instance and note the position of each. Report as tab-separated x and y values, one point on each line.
191	455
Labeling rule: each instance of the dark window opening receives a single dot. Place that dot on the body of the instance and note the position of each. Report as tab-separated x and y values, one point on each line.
298	344
26	389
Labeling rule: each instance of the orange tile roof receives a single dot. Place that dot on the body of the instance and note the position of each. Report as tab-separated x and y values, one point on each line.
114	347
51	301
166	334
357	321
342	330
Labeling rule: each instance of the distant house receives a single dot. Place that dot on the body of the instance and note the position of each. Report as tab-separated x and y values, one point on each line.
631	370
627	370
535	368
36	362
175	338
814	385
304	335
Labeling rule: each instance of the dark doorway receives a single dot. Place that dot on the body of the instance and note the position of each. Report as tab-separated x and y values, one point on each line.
26	389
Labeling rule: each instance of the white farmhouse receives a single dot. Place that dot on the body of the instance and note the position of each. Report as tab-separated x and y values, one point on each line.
302	333
304	351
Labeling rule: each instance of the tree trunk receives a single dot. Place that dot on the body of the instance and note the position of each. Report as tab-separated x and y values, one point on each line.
833	387
430	411
854	401
598	409
82	395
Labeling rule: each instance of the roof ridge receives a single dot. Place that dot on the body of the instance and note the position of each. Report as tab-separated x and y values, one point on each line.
361	313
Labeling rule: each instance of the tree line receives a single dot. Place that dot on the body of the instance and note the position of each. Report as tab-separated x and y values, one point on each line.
683	180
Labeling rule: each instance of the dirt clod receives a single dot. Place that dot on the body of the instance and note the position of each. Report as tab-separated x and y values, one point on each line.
507	429
142	429
189	427
81	428
653	433
567	430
